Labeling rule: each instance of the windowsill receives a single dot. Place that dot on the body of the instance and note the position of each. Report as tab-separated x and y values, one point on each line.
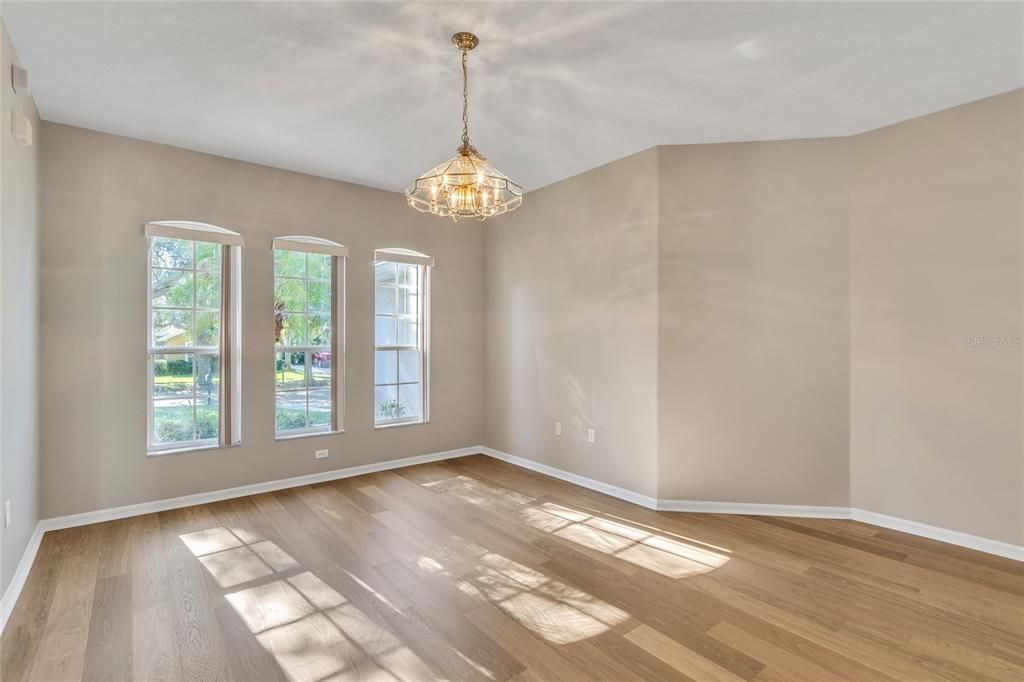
308	434
391	425
191	448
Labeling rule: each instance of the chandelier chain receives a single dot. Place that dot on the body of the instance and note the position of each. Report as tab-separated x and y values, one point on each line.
465	97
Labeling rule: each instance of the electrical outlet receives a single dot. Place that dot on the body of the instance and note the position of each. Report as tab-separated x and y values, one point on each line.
591	435
7	513
558	428
320	454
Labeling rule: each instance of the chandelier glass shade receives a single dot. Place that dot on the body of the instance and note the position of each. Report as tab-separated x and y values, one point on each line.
466	185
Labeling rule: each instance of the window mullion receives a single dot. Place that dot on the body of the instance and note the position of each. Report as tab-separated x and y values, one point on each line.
395	289
418	319
305	289
195	355
306	392
195	397
336	343
194	337
149	398
305	313
225	359
307	369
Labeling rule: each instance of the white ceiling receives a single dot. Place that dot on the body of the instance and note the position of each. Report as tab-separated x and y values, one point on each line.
370	92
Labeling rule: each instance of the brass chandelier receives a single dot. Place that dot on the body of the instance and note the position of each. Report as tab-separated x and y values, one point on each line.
466	185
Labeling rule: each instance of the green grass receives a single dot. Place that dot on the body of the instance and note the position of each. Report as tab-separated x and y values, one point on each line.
284	375
287	418
174	423
184	380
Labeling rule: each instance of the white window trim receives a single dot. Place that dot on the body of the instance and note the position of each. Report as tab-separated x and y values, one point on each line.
311	245
194	232
339	263
408	257
229	351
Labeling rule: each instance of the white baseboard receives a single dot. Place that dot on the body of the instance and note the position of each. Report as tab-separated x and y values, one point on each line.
953	537
754	509
102	515
599	486
13	590
670	505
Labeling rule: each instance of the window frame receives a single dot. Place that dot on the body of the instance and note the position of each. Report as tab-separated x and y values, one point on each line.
425	265
339	261
228	347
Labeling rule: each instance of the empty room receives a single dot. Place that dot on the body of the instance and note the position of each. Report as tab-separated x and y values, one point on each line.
519	340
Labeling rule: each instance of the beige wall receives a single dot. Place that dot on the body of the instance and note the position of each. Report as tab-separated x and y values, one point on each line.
99	190
936	260
19	321
783	322
814	303
691	304
571	325
754	322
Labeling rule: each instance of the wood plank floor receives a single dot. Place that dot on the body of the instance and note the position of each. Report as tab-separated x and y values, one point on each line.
473	569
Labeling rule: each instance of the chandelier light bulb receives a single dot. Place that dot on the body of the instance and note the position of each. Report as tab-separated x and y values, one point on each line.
468	182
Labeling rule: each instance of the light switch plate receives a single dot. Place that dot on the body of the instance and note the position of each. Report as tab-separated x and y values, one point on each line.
591	435
558	428
320	454
7	513
21	129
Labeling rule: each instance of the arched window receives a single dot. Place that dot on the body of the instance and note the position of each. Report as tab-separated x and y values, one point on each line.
309	281
193	336
401	337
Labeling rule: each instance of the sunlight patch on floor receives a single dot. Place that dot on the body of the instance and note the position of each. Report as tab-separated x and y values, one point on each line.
641	546
268	606
313	632
274	556
234	557
232	567
208	541
663	552
544	521
559	613
653	530
475	492
556	622
310	649
429	565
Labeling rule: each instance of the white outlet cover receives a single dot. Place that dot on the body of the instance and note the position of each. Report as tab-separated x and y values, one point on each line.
591	434
558	428
320	454
7	513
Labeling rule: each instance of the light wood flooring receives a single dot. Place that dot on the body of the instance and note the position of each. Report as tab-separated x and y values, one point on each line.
476	569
